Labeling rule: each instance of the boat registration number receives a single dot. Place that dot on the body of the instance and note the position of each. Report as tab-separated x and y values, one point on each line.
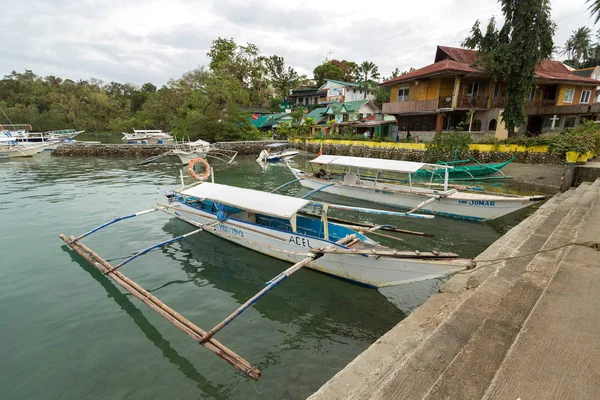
483	203
229	230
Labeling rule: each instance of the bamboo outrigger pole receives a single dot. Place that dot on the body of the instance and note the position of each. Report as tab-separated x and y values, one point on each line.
313	255
152	301
162	309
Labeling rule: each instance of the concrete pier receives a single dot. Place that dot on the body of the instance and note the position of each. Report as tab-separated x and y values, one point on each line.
525	328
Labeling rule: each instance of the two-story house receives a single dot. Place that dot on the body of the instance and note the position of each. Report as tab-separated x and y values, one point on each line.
439	96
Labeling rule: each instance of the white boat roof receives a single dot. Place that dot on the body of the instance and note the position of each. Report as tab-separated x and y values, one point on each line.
257	201
373	163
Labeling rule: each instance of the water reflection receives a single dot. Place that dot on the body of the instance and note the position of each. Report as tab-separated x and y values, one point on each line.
306	300
149	330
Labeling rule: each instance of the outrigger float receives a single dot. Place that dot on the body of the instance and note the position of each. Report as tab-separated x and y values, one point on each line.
282	227
350	181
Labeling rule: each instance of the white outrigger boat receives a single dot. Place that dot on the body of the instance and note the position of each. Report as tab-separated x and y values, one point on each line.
276	152
281	227
143	135
394	192
22	134
10	148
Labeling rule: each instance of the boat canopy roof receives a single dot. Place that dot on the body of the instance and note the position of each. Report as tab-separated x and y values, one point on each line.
272	204
277	145
375	163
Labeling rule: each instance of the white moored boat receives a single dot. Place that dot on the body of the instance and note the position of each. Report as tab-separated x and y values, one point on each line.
394	192
275	225
276	152
142	135
10	148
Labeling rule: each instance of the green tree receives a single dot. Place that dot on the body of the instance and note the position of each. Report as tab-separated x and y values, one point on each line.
367	75
243	62
523	41
283	79
594	9
348	68
579	46
327	71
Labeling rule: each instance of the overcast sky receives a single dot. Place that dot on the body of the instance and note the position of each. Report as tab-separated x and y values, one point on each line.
140	41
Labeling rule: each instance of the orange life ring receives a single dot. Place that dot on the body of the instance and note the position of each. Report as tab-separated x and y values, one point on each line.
193	173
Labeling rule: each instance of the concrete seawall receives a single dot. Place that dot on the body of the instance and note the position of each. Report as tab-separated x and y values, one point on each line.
148	150
524	327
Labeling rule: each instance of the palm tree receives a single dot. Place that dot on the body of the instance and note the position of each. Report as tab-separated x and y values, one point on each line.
594	9
367	74
578	47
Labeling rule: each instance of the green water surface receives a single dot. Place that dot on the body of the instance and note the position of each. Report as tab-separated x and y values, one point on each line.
70	333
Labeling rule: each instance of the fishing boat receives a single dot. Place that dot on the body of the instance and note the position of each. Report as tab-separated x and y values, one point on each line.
391	191
463	171
275	152
282	227
147	135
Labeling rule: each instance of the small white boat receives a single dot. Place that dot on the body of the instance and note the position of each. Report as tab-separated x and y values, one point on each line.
394	192
187	151
11	148
143	135
276	152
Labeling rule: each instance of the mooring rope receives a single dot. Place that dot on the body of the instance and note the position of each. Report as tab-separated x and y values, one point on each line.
591	245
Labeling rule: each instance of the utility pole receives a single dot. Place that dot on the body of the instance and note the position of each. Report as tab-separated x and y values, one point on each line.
328	58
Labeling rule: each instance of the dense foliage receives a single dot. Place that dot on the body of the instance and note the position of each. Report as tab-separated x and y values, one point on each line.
447	145
583	139
511	54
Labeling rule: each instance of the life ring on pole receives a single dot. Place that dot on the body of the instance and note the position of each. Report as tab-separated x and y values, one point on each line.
193	173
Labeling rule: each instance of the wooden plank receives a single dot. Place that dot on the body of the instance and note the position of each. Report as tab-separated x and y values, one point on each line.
162	309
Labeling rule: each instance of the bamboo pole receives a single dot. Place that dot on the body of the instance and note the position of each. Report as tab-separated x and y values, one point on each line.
162	309
313	255
270	285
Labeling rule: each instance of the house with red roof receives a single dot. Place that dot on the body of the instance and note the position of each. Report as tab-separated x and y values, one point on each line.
439	96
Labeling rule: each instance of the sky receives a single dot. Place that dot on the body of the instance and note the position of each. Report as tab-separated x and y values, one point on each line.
138	41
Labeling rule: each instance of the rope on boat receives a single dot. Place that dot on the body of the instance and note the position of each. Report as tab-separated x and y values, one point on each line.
591	245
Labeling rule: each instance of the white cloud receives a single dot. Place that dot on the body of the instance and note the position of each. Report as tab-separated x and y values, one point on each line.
151	40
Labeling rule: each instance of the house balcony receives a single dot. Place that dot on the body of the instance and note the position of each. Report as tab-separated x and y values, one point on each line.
472	102
414	106
549	107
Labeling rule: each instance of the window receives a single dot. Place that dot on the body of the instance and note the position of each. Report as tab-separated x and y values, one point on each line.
585	96
403	94
353	90
570	121
496	91
492	125
569	94
532	94
473	89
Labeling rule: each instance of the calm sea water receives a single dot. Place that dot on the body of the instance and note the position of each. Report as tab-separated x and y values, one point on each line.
70	333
